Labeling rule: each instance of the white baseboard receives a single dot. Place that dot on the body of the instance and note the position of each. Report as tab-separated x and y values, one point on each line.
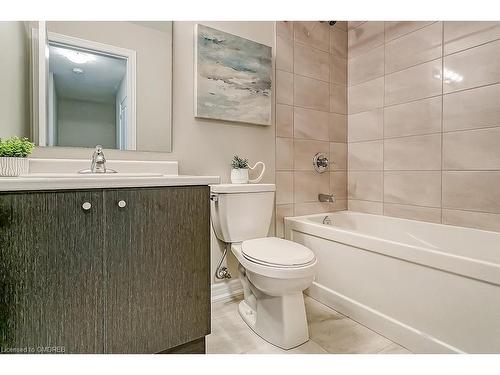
226	290
409	337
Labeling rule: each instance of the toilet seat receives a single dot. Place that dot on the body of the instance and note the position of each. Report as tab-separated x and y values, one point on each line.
277	252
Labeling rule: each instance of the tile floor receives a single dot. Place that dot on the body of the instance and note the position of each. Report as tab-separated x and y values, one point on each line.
330	332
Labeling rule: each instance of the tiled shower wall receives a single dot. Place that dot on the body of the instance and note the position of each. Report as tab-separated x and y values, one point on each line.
424	121
311	116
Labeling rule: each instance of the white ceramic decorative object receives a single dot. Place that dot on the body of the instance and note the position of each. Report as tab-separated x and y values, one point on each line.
240	175
13	167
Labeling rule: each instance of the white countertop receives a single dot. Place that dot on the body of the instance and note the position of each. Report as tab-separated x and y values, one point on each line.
99	182
61	174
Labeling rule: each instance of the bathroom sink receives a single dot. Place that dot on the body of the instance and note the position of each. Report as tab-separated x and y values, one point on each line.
91	175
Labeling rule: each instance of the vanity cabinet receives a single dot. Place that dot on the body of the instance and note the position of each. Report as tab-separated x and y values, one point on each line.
129	274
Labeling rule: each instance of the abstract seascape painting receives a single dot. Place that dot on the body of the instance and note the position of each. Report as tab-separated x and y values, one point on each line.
232	77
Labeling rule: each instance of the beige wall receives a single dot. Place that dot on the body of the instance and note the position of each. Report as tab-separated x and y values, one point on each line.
83	123
14	79
311	107
202	147
421	147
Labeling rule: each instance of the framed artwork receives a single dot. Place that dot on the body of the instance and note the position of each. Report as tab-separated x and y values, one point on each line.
232	77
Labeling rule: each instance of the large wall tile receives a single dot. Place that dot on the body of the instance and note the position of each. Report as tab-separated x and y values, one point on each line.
366	96
472	190
307	186
311	93
284	29
284	120
366	126
422	152
311	124
471	109
472	68
367	207
472	149
338	70
367	66
404	211
282	211
338	184
418	117
313	33
338	127
311	62
338	156
338	43
354	24
338	99
480	220
418	82
460	35
284	187
284	87
365	37
304	151
395	29
365	185
310	208
415	48
284	54
421	188
364	156
284	153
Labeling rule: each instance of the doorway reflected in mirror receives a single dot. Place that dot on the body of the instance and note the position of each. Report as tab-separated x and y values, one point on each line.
87	98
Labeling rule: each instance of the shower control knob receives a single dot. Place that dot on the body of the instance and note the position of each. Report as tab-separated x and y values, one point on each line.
122	203
86	206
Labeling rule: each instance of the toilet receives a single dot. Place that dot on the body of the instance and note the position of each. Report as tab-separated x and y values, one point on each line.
273	271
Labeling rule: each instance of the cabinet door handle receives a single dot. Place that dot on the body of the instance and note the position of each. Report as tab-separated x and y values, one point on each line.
86	206
122	203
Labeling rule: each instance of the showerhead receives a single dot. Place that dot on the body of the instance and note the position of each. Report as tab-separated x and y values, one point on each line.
331	23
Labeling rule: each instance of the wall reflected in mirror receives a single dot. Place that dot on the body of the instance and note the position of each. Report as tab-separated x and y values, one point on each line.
87	98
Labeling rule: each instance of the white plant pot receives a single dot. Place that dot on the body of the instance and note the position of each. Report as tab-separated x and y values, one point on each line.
13	167
239	176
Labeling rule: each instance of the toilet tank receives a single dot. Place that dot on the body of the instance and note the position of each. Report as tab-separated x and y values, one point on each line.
241	212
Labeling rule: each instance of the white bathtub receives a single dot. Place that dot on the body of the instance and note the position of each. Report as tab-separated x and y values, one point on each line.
432	288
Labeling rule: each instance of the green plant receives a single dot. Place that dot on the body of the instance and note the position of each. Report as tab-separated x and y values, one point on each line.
239	163
15	147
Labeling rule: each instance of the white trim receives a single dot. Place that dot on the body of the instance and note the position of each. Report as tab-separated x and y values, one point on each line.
224	291
108	49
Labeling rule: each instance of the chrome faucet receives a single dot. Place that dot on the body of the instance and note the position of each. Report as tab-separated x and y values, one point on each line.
98	161
326	197
98	164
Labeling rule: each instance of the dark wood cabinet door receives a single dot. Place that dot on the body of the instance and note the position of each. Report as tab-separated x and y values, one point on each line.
51	272
157	262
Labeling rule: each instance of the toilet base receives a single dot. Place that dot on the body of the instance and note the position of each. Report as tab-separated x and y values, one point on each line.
279	320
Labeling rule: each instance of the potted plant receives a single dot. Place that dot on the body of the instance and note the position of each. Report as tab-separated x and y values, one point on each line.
14	153
239	173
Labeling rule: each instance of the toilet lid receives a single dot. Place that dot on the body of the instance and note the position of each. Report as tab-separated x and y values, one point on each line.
277	252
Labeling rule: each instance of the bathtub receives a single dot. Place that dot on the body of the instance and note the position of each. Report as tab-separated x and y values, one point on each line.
432	288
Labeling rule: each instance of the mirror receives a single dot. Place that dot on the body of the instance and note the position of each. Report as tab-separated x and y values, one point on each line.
107	83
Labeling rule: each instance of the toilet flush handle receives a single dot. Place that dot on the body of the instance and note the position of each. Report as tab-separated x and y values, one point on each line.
214	198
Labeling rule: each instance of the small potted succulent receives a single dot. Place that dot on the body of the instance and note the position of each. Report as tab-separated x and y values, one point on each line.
14	153
239	173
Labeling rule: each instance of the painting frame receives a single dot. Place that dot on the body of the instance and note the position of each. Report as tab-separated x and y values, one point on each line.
233	78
